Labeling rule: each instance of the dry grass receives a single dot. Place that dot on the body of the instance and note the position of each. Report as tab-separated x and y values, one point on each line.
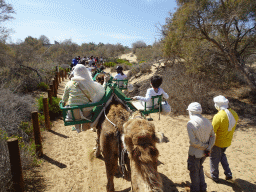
13	110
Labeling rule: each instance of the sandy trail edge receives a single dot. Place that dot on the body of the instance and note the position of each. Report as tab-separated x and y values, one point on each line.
69	164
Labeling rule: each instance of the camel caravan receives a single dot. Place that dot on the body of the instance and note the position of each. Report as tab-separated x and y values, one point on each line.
125	138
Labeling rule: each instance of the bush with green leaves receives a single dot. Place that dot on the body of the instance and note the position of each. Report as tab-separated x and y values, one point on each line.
109	64
54	108
43	86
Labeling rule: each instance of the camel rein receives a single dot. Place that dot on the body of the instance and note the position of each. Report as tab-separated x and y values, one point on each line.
121	152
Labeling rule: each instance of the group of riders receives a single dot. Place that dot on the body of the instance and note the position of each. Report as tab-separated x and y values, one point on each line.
206	138
87	60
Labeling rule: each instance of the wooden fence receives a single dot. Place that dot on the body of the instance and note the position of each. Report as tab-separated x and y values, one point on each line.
13	146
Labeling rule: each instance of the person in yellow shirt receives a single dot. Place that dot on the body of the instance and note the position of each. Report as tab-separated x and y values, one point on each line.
224	124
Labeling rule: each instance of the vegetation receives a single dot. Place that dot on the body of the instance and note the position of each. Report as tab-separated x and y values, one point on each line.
54	108
150	53
214	38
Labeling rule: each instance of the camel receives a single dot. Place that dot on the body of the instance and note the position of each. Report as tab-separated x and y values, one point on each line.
138	136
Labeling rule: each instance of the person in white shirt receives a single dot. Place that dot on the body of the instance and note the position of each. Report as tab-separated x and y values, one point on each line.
120	75
201	139
156	81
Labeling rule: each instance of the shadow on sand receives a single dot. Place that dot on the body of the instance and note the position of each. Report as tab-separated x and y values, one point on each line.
54	162
59	134
170	186
239	185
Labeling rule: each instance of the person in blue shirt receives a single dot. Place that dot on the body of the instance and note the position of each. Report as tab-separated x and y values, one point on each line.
74	62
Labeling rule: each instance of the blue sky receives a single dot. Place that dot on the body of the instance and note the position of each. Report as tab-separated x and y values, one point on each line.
84	21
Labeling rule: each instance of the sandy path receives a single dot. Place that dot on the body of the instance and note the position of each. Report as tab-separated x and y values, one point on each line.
69	165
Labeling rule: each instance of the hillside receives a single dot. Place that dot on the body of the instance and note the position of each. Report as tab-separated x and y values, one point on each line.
69	165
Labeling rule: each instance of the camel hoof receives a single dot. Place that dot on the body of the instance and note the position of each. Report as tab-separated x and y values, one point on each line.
97	153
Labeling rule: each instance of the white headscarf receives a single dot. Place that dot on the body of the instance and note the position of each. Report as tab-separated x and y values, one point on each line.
221	103
83	76
195	111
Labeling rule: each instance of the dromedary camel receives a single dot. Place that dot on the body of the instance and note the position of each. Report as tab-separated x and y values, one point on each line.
140	141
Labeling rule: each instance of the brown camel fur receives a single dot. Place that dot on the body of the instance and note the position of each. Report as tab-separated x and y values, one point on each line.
140	140
109	142
100	78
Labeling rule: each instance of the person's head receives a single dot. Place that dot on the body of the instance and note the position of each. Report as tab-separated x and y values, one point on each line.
194	109
81	73
156	81
102	68
119	69
220	102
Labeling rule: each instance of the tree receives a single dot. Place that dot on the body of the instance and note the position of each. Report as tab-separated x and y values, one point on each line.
45	40
6	11
224	28
137	45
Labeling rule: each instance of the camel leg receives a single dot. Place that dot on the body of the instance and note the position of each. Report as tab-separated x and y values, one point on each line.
97	151
111	166
110	154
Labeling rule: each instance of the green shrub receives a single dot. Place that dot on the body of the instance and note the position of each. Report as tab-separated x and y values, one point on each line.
123	61
43	86
54	109
109	64
27	128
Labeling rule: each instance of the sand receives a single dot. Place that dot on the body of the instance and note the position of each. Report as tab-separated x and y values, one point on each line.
69	164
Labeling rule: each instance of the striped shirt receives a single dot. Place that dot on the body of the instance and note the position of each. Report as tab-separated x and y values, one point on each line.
73	95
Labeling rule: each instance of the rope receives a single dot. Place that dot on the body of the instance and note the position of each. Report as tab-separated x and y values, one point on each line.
108	119
121	153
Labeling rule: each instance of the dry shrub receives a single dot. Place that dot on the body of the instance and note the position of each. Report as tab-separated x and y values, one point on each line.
140	69
184	88
13	110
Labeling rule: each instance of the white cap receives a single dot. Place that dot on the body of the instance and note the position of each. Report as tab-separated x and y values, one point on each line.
195	107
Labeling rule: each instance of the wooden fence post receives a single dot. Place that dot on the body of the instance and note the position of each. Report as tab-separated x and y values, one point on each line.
56	80
37	134
65	73
50	95
54	88
62	75
46	114
16	169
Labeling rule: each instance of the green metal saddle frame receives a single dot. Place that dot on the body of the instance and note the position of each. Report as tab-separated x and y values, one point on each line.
121	84
155	108
97	108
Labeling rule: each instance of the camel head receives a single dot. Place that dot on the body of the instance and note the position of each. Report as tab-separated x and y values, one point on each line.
140	140
100	78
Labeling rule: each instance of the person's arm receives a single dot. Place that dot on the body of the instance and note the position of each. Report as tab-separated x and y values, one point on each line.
194	142
65	94
145	99
216	123
211	140
165	95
